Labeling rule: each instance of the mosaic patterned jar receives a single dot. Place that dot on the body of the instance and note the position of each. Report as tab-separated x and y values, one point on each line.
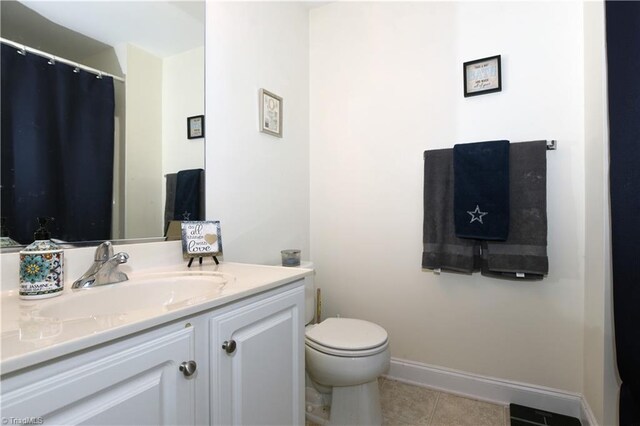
41	270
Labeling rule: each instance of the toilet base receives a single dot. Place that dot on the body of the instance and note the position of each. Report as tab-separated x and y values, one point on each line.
356	405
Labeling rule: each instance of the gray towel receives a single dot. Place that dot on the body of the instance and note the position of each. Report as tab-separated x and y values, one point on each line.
524	253
170	199
441	248
202	199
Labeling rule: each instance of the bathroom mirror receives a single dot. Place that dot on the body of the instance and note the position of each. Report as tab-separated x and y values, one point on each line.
155	51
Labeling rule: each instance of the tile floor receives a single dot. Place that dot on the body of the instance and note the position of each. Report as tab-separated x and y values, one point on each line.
404	404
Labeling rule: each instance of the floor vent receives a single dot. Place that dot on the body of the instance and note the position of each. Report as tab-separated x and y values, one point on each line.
528	416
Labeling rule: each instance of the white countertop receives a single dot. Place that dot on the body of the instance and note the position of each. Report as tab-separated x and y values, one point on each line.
30	335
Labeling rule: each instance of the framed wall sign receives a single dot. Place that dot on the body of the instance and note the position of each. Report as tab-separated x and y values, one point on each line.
195	127
270	113
201	238
482	76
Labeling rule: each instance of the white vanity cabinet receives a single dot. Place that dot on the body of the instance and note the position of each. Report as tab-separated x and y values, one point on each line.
137	379
257	362
133	381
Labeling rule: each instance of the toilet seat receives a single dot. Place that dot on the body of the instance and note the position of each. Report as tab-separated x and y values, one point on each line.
347	337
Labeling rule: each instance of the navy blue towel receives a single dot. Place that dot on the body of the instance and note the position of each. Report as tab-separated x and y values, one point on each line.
188	195
481	190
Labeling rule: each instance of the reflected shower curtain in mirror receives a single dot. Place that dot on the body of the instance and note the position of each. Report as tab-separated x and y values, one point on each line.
57	148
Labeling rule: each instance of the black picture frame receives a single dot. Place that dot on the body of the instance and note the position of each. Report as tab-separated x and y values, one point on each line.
195	127
482	76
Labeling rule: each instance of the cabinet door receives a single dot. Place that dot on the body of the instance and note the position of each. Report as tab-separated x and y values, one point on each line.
261	382
137	382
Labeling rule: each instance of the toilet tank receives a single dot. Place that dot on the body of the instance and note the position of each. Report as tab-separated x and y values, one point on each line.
309	294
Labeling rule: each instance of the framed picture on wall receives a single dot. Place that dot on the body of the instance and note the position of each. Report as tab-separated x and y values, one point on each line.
195	127
482	76
270	113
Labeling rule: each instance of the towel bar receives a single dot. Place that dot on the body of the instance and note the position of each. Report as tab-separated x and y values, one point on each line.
552	145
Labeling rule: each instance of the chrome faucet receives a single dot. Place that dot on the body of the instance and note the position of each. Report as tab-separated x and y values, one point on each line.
104	269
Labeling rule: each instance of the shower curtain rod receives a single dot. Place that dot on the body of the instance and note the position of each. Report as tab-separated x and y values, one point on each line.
22	49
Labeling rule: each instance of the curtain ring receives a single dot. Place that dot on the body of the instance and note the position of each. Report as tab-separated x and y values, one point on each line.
23	51
76	70
52	60
99	76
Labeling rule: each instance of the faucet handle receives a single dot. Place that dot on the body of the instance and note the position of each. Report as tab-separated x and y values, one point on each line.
104	252
120	258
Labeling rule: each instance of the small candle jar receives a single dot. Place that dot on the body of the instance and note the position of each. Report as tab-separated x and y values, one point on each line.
290	257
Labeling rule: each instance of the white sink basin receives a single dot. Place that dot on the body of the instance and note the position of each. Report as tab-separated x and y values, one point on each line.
33	331
143	292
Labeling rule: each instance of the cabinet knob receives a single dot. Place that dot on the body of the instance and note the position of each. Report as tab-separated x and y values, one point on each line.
188	368
229	346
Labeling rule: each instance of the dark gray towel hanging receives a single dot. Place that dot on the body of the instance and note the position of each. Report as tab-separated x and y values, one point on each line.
441	248
170	199
524	253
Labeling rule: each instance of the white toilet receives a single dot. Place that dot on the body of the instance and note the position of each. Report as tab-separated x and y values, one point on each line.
344	358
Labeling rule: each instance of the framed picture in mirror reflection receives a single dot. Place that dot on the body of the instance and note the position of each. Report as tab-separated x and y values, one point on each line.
195	127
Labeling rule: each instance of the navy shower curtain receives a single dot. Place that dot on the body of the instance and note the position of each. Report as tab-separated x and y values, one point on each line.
623	57
57	148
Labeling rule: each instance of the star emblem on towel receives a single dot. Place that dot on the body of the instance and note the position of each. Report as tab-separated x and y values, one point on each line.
476	215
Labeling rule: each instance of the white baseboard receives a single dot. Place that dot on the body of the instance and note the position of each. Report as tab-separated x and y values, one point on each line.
492	389
587	417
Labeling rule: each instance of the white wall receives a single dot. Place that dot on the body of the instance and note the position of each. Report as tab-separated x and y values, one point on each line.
257	185
600	377
386	84
144	211
182	97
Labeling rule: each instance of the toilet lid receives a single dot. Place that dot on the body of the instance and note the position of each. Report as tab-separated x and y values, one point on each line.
347	334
